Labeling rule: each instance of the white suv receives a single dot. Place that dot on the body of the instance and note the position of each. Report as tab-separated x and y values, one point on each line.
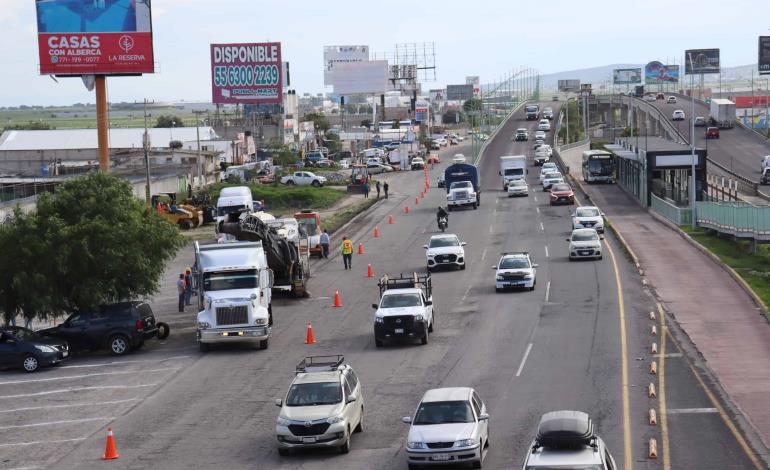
588	217
585	243
515	270
544	125
445	250
451	425
323	407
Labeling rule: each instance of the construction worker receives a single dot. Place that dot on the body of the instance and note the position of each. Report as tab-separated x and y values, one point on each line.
180	289
188	288
325	244
378	189
385	188
347	253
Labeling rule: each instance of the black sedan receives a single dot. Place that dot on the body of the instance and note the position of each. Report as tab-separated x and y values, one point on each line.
21	347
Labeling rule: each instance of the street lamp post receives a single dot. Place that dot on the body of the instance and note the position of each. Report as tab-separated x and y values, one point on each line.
692	146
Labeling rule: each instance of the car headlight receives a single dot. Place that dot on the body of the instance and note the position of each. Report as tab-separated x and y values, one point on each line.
335	419
527	276
204	325
419	317
465	443
45	349
499	278
282	421
260	322
416	445
379	320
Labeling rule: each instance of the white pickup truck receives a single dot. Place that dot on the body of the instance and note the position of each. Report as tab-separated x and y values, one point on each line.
405	310
234	294
305	178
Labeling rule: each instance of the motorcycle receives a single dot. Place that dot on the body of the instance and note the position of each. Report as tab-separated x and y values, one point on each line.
442	223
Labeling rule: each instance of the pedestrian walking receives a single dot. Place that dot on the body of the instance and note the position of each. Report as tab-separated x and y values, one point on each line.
378	189
366	189
27	322
325	244
180	287
385	188
188	287
347	253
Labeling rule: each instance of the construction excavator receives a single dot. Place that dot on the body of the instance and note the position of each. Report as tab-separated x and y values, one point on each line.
288	258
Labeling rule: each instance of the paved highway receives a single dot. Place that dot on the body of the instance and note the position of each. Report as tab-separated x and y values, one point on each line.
580	340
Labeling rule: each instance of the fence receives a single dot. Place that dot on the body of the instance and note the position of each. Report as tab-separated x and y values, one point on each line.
676	214
737	219
477	157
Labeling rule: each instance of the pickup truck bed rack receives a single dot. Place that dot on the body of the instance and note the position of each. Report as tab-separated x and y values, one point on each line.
410	281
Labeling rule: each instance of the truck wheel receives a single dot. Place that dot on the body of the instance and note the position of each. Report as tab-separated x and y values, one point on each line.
378	343
290	182
283	452
475	206
163	330
449	208
432	322
345	448
315	183
204	347
424	339
185	224
262	344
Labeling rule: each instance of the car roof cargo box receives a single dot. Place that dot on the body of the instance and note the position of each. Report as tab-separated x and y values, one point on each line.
565	429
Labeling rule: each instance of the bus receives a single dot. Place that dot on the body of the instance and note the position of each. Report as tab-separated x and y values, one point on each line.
598	166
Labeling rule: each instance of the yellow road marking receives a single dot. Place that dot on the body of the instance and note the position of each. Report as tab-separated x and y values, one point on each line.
662	391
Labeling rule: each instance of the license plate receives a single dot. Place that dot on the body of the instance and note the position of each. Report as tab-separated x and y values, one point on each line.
585	252
308	440
439	457
65	353
399	331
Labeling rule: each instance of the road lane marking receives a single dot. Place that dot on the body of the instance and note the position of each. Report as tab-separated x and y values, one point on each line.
542	227
668	356
681	411
73	405
546	251
32	443
465	294
83	376
524	359
627	452
665	448
537	209
547	291
77	389
120	363
535	198
54	423
484	254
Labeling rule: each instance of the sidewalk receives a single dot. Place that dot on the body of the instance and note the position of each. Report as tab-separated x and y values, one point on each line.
715	312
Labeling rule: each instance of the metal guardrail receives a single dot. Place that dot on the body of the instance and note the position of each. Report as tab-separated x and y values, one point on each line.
477	158
676	214
739	220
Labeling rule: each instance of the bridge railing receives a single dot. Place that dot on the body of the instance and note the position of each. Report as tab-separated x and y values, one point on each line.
737	219
674	213
477	157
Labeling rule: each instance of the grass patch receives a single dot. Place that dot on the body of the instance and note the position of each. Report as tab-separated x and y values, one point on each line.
754	268
279	198
333	223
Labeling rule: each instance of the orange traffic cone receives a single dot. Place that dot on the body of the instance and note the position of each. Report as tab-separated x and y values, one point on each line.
390	219
417	201
406	210
369	271
376	232
110	452
422	195
337	299
309	338
360	249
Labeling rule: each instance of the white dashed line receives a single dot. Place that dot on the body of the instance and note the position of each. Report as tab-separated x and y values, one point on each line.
542	227
32	443
54	423
120	363
74	405
465	294
77	389
537	209
680	411
548	291
524	359
490	228
483	254
546	251
535	197
83	376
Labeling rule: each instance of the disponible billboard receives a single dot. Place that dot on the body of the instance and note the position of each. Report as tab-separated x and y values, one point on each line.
626	76
360	78
459	92
87	37
246	73
701	61
764	55
334	55
655	73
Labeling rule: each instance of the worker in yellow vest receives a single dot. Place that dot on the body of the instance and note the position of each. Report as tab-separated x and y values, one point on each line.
347	252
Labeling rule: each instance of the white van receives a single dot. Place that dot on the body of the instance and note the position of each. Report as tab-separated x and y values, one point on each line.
765	162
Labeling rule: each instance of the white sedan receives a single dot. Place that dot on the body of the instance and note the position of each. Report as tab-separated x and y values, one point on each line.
518	188
585	243
552	179
588	217
540	135
544	125
546	171
678	115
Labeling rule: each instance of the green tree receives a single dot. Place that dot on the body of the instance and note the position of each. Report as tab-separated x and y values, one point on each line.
168	120
91	242
452	116
473	104
332	142
319	121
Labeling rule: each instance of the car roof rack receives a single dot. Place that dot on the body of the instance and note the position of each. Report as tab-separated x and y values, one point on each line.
565	429
506	253
320	363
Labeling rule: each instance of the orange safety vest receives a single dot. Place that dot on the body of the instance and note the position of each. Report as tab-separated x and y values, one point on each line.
347	247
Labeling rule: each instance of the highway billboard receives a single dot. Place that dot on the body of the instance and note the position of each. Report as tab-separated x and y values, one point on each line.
437	96
569	85
655	73
627	76
357	78
108	37
764	55
459	92
248	73
701	61
334	55
474	80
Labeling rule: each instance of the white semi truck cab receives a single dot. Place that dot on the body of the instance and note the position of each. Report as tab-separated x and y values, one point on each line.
234	294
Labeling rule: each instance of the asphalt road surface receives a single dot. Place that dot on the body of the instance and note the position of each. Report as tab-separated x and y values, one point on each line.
557	347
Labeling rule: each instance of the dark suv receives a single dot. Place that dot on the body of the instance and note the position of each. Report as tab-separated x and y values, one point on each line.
118	327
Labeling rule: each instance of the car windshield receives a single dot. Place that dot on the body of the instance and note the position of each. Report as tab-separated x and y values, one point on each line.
514	263
460	185
560	188
439	242
584	236
23	334
400	300
565	467
223	210
444	412
245	279
587	212
313	394
308	226
517	183
514	171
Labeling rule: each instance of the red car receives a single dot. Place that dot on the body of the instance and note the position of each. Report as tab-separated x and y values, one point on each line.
712	132
561	193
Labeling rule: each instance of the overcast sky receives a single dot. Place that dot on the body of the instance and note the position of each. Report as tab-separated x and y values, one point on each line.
485	38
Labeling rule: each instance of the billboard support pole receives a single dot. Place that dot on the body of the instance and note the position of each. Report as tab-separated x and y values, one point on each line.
102	123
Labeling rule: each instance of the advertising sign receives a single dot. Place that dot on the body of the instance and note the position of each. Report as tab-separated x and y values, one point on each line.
246	73
764	55
437	96
569	85
459	92
626	76
474	80
701	61
421	113
403	77
106	37
355	78
655	73
334	55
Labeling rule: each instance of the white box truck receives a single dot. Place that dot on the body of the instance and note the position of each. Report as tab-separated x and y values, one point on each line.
722	113
512	167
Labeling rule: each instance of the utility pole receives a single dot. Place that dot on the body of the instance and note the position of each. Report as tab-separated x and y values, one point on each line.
693	222
202	183
146	145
